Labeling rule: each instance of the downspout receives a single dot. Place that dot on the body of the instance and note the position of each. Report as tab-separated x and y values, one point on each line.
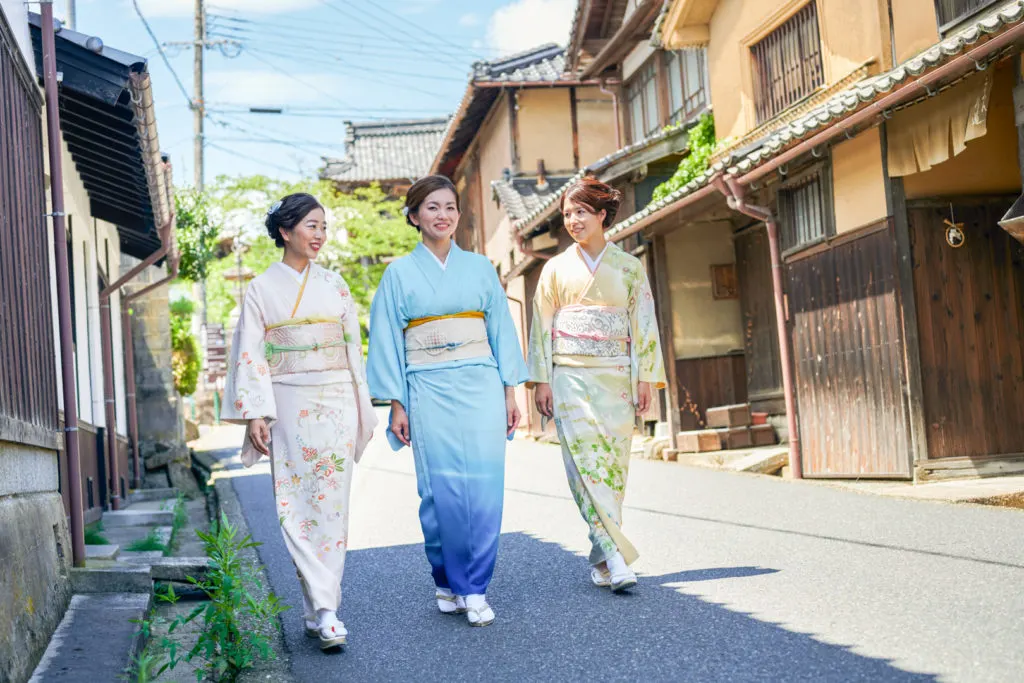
615	111
734	196
60	258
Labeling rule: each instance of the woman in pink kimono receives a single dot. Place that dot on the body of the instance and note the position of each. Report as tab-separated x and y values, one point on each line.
595	357
296	380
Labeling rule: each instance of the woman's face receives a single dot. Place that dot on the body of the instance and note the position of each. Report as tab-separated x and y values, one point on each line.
581	222
308	236
438	215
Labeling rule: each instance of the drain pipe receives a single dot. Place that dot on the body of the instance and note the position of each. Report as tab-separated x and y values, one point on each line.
60	257
734	195
615	111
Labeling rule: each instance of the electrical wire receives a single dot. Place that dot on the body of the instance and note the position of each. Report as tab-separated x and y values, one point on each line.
159	47
247	157
405	20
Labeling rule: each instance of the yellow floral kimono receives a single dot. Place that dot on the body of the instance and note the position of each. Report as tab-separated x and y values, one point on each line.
296	361
594	337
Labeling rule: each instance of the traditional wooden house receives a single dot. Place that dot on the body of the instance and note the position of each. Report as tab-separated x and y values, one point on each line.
867	158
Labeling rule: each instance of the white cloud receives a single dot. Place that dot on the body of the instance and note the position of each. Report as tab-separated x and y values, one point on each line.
186	8
523	24
469	20
266	88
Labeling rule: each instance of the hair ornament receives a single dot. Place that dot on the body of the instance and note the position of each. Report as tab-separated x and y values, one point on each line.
274	207
405	211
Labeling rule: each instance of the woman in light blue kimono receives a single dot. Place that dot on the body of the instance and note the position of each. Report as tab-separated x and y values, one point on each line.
444	351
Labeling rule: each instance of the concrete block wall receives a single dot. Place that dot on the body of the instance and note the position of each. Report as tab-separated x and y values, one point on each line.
35	556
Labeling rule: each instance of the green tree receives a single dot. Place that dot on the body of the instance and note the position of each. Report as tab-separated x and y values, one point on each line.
196	234
185	359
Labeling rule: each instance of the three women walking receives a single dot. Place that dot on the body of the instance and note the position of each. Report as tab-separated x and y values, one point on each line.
296	381
444	352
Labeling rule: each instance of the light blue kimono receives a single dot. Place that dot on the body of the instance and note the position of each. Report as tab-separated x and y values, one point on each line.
457	416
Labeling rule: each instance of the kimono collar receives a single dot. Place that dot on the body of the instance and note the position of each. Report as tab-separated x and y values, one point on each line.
430	264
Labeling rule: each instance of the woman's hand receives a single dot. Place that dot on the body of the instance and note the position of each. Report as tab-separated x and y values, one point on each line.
544	399
259	435
511	410
643	390
400	422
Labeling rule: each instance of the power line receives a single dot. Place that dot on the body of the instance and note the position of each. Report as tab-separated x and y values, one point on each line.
440	38
247	157
167	62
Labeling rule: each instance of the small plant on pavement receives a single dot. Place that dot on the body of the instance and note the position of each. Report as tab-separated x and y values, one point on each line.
93	535
236	624
177	524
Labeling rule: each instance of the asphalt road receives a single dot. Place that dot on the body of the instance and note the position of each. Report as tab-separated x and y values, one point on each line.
742	578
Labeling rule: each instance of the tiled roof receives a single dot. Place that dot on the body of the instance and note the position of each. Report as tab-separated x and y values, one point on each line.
539	64
659	24
521	196
844	104
601	164
386	150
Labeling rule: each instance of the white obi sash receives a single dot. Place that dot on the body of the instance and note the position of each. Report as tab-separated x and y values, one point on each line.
446	339
599	331
303	346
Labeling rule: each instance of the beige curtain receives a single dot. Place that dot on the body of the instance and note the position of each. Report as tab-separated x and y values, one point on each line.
939	128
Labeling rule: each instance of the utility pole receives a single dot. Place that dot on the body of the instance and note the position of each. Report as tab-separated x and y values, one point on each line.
198	105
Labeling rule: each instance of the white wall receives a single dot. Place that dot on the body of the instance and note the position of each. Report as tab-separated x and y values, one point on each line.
16	13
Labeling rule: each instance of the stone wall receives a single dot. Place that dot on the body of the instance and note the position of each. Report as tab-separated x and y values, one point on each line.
35	556
166	459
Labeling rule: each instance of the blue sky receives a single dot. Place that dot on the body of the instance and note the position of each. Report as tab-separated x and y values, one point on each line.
325	60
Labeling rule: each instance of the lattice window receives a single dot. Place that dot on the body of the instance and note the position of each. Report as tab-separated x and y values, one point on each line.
642	102
805	209
951	12
787	64
687	83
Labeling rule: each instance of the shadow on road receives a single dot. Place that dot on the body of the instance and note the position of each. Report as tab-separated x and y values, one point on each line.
553	625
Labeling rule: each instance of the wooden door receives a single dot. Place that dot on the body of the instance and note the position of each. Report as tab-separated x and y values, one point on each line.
760	335
970	308
846	326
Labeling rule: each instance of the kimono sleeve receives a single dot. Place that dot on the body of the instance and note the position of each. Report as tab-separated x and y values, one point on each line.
385	364
646	344
540	357
501	333
248	393
354	353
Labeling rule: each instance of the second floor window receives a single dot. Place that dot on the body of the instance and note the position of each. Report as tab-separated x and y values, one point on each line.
687	83
642	100
952	11
787	64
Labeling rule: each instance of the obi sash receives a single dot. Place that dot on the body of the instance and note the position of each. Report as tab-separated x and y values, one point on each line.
598	331
305	345
440	339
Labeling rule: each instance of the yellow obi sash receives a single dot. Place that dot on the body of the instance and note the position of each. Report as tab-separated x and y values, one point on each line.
599	331
443	338
305	345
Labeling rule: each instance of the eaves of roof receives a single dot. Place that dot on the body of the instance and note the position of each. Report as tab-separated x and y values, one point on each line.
108	123
1002	19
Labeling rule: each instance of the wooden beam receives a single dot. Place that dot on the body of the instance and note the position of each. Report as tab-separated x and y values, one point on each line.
896	205
513	124
574	115
663	302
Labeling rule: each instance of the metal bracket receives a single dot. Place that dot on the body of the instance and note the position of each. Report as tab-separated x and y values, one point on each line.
54	214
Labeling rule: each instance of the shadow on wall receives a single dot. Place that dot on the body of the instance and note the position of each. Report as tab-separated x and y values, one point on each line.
552	624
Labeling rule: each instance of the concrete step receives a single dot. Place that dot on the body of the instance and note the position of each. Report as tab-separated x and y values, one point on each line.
172	568
102	552
136	555
116	579
121	518
142	495
123	536
96	640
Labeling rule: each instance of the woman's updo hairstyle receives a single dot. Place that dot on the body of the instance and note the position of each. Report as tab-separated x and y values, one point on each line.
596	196
286	214
422	189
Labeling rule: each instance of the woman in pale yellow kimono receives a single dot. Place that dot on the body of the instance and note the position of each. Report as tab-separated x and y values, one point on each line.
594	358
295	379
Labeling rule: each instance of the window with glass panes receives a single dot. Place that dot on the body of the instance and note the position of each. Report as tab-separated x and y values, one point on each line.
687	83
642	102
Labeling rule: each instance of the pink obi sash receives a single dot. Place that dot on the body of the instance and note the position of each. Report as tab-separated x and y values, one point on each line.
601	331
